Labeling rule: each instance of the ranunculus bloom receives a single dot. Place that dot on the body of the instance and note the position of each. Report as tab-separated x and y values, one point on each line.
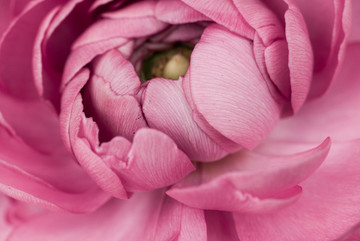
179	120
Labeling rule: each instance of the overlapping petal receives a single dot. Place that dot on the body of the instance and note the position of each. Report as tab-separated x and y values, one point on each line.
249	182
331	195
226	89
152	161
166	109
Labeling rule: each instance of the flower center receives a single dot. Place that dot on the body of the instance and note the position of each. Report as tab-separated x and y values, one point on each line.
169	63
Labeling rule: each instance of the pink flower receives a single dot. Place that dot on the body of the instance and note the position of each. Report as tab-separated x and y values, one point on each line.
103	112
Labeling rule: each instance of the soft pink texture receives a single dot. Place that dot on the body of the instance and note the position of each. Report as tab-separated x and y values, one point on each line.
249	182
227	91
156	155
155	216
280	191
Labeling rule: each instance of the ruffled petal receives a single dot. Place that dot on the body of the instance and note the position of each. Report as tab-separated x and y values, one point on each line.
177	12
118	72
152	161
331	194
83	55
166	109
249	182
155	216
226	88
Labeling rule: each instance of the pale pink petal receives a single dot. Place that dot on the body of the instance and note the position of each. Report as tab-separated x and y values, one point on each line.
153	161
177	12
80	137
336	114
106	29
262	19
184	33
215	10
249	182
328	25
220	226
228	90
166	109
300	55
16	53
113	68
146	216
328	207
83	55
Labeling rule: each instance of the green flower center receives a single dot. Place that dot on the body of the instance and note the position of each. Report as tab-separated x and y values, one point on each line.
169	63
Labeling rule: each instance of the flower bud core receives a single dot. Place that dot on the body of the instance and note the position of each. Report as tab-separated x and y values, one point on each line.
169	63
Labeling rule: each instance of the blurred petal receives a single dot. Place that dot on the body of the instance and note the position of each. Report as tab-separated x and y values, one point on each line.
155	216
134	10
215	10
227	89
15	53
249	182
58	31
177	12
6	226
336	114
166	109
328	38
331	194
355	31
52	180
220	226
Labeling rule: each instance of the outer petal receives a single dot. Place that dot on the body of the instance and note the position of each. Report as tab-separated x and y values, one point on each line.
328	38
249	182
52	47
336	114
329	195
16	53
355	31
166	109
227	89
146	216
52	180
220	226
